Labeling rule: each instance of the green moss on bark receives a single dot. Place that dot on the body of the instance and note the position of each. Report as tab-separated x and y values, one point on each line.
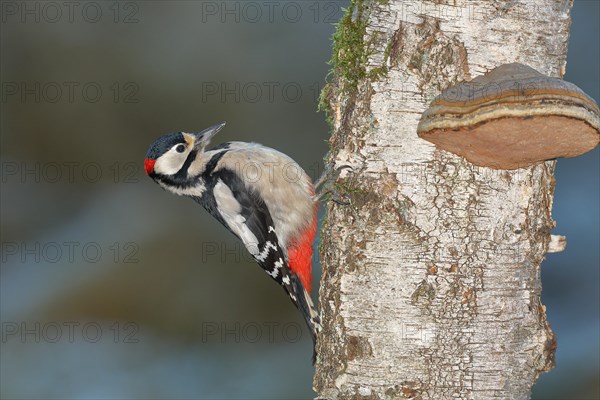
349	55
349	52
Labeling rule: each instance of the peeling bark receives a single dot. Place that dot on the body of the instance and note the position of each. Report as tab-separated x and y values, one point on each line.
431	276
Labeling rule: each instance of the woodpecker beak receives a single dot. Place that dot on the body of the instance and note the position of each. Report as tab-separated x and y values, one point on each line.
203	138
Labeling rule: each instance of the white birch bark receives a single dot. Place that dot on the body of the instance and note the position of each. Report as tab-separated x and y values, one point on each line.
431	277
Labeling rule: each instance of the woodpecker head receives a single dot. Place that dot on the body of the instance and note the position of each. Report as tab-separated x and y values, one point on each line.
169	153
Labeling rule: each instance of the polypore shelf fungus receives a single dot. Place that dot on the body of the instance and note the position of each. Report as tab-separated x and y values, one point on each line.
512	117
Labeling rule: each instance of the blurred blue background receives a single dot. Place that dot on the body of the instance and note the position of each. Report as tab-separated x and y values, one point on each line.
112	288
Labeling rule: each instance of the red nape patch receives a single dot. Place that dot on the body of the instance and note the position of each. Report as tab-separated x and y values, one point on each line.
149	165
300	254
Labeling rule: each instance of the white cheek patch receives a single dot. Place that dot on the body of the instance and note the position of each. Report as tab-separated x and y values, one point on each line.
170	162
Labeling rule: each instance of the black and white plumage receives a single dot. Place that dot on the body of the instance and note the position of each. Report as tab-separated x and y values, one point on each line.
260	194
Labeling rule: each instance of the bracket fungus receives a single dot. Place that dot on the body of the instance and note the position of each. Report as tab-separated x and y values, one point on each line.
512	117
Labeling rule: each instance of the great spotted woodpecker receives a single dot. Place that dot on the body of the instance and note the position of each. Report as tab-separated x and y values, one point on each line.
261	195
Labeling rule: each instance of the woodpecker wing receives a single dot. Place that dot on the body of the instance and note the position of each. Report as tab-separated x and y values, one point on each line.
243	212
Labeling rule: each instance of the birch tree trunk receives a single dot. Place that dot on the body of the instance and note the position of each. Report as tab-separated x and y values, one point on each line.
431	276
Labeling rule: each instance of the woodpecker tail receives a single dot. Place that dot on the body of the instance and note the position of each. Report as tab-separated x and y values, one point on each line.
303	302
270	257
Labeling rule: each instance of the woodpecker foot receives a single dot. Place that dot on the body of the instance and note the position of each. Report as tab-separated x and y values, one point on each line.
333	196
325	186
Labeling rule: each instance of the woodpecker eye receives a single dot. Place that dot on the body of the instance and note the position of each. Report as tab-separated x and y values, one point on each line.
180	148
